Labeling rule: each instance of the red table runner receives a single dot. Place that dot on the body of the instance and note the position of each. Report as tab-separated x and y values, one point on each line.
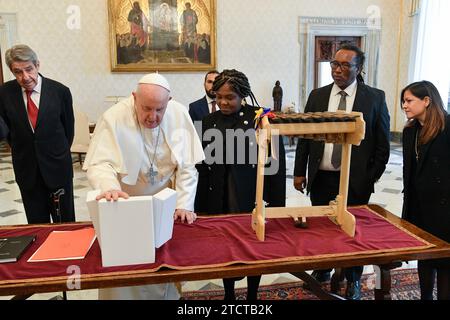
220	241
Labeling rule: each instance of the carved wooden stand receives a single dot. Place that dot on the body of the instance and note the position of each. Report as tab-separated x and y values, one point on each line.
346	133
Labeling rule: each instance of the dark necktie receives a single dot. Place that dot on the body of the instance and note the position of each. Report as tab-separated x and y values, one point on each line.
213	106
337	148
31	109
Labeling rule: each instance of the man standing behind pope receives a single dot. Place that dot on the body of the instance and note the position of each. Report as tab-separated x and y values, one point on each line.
142	145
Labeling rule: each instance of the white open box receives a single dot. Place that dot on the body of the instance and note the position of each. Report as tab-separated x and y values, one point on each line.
129	230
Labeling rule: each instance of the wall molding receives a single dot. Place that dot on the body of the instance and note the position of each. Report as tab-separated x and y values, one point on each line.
8	37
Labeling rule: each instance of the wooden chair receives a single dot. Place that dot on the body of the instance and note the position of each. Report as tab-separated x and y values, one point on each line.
82	137
333	127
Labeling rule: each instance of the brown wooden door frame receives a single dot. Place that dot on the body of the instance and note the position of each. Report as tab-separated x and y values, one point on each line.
1	68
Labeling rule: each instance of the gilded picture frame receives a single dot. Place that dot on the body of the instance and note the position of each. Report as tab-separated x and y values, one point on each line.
162	35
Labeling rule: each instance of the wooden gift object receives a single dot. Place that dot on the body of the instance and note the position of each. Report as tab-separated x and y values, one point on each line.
332	127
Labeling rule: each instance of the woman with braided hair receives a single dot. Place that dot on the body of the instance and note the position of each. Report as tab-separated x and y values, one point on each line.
227	177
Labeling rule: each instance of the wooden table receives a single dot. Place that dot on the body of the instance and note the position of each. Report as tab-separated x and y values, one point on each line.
386	261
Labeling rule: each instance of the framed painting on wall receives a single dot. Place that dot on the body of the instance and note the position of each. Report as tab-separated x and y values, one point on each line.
162	35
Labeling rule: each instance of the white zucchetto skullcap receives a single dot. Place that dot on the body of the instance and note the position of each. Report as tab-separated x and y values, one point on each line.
157	79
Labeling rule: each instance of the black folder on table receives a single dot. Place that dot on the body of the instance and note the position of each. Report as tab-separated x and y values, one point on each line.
12	248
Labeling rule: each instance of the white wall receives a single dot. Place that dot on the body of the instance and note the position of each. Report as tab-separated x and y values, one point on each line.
258	37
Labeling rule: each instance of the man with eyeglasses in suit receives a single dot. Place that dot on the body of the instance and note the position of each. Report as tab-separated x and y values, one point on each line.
369	159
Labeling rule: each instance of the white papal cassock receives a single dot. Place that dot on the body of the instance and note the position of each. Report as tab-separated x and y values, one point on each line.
120	156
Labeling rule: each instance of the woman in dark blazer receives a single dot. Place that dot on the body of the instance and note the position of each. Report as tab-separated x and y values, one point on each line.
426	177
227	177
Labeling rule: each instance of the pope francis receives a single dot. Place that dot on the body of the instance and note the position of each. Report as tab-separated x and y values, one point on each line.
140	146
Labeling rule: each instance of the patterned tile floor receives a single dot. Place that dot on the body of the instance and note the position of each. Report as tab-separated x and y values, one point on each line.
387	194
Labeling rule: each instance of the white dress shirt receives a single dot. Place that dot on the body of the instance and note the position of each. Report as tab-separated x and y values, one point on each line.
209	100
333	104
35	96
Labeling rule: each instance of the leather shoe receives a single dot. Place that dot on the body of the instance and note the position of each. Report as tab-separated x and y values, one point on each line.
320	276
353	291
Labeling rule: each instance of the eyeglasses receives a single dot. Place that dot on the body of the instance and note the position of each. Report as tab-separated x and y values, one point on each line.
345	66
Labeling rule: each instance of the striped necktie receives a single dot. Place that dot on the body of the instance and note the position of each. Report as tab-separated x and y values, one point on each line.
31	109
337	148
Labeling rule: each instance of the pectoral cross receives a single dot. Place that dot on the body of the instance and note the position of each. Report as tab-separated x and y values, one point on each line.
152	174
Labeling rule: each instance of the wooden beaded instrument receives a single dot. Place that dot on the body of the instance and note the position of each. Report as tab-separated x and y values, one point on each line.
332	127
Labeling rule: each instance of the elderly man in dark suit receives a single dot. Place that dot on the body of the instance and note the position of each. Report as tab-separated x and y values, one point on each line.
39	114
368	162
206	105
